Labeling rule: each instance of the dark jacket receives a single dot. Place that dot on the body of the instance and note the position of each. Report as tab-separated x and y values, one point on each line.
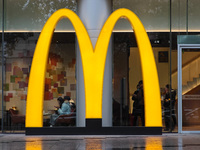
167	99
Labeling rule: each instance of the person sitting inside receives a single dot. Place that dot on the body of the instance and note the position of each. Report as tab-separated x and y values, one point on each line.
72	105
63	109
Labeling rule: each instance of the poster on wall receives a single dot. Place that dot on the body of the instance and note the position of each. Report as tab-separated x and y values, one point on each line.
163	57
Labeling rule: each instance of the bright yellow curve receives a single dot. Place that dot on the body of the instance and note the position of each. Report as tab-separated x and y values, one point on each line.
153	116
93	67
34	107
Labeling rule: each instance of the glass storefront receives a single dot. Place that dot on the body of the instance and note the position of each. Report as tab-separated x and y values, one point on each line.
1	68
163	21
155	16
21	32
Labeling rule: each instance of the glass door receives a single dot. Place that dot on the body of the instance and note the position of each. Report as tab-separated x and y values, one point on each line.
189	88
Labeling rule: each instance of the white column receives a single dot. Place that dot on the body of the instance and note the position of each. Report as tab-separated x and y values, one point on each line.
93	14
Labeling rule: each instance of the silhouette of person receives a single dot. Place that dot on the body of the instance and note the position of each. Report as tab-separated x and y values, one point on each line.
169	106
138	105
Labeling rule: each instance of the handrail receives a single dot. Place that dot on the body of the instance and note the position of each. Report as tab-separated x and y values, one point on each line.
187	63
189	72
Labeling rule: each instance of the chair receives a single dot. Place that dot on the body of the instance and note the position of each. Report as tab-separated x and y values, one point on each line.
68	120
16	119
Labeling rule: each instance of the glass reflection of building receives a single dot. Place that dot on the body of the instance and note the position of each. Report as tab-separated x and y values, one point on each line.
163	21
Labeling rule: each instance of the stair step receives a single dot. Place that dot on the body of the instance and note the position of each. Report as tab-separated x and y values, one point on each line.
191	83
198	81
195	79
184	88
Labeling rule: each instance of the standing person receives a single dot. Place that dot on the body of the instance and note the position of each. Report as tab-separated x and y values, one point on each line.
135	104
138	105
63	109
141	102
167	104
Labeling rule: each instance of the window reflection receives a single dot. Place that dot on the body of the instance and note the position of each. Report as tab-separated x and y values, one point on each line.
34	143
154	143
34	14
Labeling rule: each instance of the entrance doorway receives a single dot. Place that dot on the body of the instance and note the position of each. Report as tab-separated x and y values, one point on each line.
188	85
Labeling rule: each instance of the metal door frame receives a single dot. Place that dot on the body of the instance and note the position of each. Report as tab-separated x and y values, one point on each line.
180	48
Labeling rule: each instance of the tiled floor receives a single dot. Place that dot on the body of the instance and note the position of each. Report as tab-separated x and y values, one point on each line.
163	142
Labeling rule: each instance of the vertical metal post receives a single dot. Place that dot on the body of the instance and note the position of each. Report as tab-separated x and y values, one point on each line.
170	72
2	63
179	89
122	102
187	17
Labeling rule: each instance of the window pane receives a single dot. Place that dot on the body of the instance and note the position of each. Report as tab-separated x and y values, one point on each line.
154	14
26	15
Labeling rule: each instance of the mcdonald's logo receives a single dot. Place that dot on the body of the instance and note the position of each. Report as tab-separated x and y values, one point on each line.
93	67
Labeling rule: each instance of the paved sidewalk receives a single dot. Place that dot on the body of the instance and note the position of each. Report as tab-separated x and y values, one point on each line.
165	142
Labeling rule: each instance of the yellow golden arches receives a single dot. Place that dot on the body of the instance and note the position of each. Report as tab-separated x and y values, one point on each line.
93	67
38	68
149	70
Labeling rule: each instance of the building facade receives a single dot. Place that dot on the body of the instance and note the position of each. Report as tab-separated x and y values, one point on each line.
167	23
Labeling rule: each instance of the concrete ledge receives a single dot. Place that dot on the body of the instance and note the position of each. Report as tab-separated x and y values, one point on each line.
129	130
